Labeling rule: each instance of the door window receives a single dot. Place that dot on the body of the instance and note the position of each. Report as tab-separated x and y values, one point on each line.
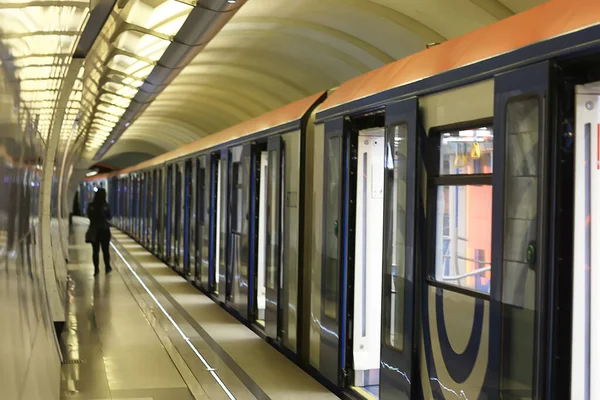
463	203
332	227
396	265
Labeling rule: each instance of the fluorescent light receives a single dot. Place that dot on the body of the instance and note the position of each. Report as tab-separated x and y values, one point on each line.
91	173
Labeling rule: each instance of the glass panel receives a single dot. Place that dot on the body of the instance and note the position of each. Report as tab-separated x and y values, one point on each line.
236	219
199	217
396	258
168	209
189	217
155	202
291	223
222	264
520	235
272	225
237	193
176	215
332	210
313	231
244	180
464	236
467	152
204	183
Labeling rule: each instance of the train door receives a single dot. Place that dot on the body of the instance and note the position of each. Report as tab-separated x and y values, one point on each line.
239	245
222	226
144	208
203	223
169	214
397	308
129	185
189	220
121	204
177	219
132	199
260	221
135	201
333	279
523	265
149	202
274	238
154	201
140	207
160	213
367	308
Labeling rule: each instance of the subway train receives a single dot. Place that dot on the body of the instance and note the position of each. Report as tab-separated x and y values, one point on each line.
421	231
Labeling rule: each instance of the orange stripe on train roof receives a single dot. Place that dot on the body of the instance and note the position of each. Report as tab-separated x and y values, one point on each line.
537	24
289	113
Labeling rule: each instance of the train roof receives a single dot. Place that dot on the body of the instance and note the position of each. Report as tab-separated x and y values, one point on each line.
273	119
546	21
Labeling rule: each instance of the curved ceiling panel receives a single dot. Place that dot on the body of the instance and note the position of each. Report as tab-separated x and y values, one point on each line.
273	52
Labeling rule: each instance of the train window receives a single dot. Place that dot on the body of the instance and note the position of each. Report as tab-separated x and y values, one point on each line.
466	152
463	202
396	265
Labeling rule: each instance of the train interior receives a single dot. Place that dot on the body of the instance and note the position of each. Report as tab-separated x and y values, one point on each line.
261	266
366	138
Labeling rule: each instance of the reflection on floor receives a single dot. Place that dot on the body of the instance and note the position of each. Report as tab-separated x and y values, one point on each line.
110	350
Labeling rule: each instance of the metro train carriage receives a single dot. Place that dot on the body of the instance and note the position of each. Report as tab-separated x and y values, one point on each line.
422	231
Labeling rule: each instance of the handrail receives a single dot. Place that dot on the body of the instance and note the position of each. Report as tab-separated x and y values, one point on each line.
465	275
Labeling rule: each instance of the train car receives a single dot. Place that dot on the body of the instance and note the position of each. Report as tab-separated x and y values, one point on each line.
422	231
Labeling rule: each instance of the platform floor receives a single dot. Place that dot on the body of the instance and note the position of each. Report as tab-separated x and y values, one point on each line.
144	333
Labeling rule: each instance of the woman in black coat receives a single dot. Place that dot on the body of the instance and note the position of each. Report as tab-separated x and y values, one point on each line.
99	215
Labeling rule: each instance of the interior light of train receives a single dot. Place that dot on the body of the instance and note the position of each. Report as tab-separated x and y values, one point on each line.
231	1
91	173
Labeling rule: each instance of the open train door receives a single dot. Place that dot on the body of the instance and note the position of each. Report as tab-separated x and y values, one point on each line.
240	233
398	348
274	238
520	356
332	279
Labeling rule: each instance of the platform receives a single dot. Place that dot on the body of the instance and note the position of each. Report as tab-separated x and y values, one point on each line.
143	332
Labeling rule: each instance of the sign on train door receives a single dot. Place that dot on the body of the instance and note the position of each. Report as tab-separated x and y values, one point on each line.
274	238
398	350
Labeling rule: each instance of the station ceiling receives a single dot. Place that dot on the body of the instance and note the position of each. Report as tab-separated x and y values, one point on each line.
272	52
